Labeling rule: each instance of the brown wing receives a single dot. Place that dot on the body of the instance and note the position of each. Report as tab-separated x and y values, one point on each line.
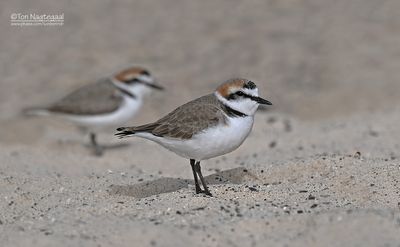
98	98
187	120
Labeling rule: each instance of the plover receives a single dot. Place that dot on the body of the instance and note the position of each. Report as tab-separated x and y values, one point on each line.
207	127
107	103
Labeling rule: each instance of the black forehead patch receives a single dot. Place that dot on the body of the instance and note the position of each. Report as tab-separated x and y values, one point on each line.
145	72
250	85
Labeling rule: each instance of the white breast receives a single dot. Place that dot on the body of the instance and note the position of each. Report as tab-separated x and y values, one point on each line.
210	143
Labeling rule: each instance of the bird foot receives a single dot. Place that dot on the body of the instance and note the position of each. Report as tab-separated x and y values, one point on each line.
206	192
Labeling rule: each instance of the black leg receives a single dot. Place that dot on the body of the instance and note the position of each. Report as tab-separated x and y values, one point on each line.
98	151
196	180
198	170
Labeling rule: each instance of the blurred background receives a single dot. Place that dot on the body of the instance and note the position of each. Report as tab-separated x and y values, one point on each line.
313	59
320	167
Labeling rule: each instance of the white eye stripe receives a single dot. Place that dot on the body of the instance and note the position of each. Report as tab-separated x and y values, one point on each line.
252	92
145	78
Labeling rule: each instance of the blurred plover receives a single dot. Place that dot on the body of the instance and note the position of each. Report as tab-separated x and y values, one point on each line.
107	103
207	127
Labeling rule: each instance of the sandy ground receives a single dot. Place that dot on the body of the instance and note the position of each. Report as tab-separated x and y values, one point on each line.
321	167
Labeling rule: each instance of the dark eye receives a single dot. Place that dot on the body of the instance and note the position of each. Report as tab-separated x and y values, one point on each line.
240	93
145	72
134	80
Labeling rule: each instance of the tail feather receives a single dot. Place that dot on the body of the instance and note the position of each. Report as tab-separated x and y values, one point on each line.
124	132
130	131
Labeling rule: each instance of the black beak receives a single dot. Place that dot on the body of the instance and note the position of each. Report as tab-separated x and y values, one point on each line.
262	101
155	86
